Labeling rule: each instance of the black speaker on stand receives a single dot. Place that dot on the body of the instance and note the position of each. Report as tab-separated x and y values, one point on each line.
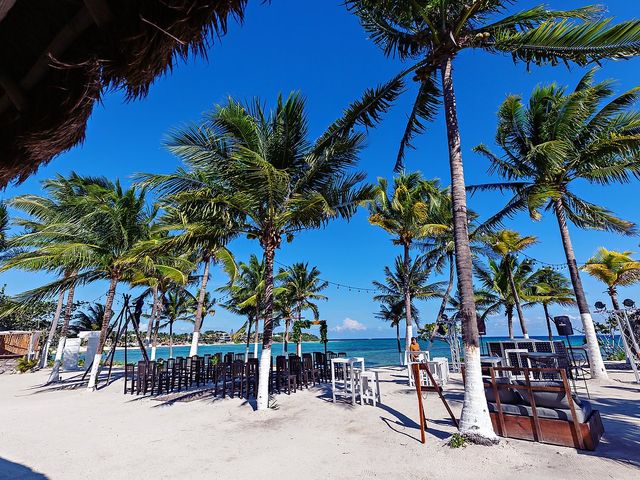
564	327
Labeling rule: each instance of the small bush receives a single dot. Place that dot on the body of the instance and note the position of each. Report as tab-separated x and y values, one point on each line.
25	365
457	441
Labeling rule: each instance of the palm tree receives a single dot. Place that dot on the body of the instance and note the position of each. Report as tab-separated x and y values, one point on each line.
614	269
392	311
405	214
262	166
246	296
89	320
51	241
302	286
431	33
506	283
552	288
399	281
178	305
507	244
557	139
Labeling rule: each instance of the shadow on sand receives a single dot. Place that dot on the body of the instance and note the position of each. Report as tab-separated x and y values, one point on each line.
15	471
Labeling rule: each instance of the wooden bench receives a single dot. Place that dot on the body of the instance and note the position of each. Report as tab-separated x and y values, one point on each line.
541	410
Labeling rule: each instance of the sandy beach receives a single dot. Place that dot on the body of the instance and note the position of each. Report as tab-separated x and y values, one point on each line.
65	432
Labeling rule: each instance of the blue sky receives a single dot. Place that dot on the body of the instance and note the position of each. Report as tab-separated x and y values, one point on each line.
318	48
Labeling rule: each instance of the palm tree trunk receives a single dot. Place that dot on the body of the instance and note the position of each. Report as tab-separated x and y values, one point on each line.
171	338
398	340
445	297
95	367
614	297
516	300
197	325
147	340
299	339
52	331
287	321
154	322
248	339
475	421
407	299
548	317
267	331
256	338
54	376
509	311
596	363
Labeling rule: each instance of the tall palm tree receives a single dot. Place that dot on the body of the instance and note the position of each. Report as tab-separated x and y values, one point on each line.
262	166
614	269
178	305
302	286
507	244
399	281
392	311
557	139
52	241
552	288
430	34
405	213
505	282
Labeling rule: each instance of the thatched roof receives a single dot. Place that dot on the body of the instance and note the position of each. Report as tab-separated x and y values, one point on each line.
58	56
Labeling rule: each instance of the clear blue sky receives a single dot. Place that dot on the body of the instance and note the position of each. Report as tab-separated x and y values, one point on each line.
318	48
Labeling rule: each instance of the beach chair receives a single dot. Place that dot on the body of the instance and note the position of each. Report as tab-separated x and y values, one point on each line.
310	372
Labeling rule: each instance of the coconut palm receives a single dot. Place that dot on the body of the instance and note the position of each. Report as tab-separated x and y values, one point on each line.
178	305
90	319
405	213
415	281
614	269
557	139
430	34
262	166
506	283
52	240
507	244
552	288
302	286
392	311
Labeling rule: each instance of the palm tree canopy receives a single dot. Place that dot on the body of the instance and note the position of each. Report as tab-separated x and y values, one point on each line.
409	211
613	268
552	287
507	242
303	285
392	311
560	137
262	166
416	279
88	320
428	32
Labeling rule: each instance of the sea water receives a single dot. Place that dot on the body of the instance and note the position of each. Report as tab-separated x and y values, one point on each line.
376	351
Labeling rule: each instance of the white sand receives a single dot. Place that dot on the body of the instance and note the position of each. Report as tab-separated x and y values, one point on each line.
68	433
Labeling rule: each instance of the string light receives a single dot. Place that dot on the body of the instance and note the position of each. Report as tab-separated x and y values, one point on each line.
351	288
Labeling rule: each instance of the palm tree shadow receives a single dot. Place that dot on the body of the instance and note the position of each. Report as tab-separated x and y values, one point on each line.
15	471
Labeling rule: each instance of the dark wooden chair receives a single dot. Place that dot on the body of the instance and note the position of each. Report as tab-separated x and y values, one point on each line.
228	357
310	372
220	375
295	368
251	377
236	378
542	411
129	376
284	377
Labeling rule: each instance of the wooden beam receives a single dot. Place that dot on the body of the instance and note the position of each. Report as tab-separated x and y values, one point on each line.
5	6
100	11
14	92
63	40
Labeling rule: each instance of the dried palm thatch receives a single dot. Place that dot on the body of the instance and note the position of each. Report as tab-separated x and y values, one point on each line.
57	57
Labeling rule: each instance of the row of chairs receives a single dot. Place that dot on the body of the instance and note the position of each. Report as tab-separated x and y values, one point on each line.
228	373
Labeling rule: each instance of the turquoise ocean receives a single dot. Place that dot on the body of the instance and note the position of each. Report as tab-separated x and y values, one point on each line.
376	351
